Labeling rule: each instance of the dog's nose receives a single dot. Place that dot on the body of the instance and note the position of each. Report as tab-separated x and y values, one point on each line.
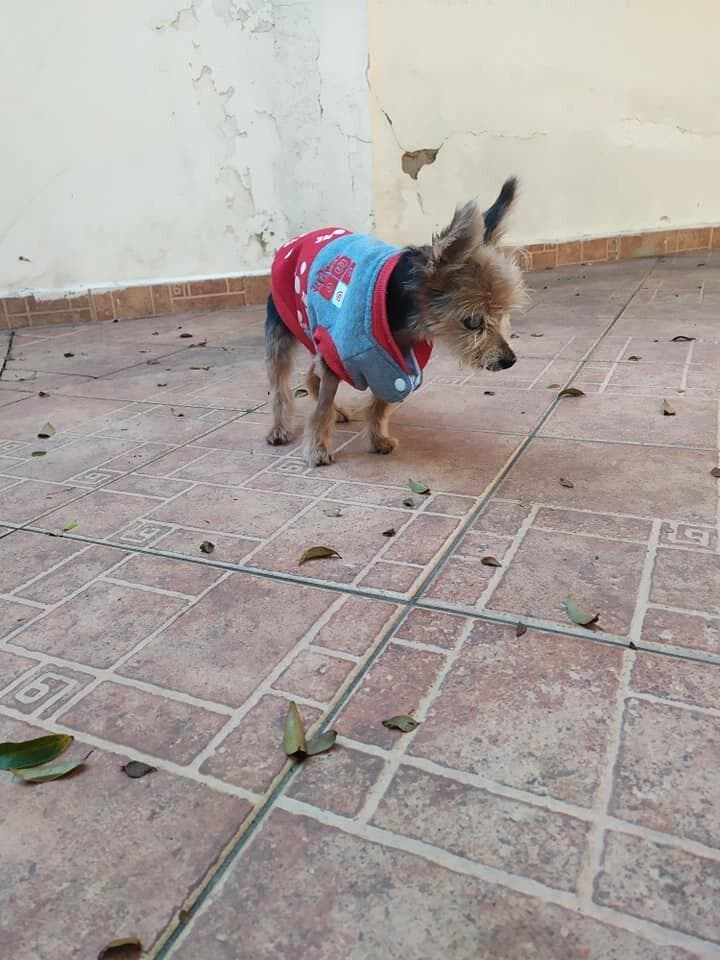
507	360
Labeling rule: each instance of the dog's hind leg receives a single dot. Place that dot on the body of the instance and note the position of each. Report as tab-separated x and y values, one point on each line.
321	423
279	346
312	382
378	415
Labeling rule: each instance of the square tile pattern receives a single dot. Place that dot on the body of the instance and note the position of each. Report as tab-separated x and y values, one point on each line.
559	797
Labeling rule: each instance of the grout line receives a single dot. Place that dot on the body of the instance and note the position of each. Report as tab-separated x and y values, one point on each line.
613	366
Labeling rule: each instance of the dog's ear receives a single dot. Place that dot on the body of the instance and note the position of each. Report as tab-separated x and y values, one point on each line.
454	245
495	215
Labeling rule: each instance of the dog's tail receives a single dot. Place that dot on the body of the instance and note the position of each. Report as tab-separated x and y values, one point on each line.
495	214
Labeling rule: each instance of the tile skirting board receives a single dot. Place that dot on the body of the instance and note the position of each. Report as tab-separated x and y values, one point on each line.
204	296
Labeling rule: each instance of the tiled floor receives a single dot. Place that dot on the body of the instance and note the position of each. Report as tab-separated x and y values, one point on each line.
560	798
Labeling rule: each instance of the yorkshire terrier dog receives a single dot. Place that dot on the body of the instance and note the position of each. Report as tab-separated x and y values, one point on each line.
369	313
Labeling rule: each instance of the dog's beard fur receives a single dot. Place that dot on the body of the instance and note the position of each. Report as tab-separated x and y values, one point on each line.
464	276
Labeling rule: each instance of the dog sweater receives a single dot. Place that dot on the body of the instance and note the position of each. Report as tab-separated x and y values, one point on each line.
329	287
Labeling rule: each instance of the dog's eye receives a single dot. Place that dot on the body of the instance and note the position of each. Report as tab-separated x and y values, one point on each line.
474	323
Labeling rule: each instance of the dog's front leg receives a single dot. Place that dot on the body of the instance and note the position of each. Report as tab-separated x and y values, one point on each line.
320	425
378	415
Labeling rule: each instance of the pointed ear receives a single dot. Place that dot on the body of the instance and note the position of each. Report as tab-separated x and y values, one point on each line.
495	215
454	245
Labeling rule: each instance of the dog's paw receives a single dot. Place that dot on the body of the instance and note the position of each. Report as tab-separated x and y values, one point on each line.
318	456
341	416
383	445
279	436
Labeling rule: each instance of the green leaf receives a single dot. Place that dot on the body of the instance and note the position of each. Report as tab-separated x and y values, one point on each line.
579	616
321	743
571	392
49	771
128	948
31	753
318	553
417	486
402	722
69	526
490	562
46	432
294	735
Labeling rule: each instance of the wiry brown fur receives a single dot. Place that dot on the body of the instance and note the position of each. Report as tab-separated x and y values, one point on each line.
462	278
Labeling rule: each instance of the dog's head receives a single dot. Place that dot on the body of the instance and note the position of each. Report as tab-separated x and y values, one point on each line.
466	288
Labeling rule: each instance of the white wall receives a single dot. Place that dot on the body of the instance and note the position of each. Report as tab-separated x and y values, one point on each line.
609	112
144	140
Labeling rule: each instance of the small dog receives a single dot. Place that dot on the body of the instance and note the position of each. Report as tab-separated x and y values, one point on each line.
369	314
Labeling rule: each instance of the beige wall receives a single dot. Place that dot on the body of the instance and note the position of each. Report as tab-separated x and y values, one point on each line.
609	112
162	139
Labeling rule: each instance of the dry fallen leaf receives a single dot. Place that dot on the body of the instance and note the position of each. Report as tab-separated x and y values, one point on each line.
564	482
43	394
136	769
681	338
667	409
520	629
490	562
409	502
128	948
207	546
294	733
68	354
334	512
579	616
183	916
184	336
571	392
537	334
489	393
389	533
49	771
200	368
634	357
633	646
318	553
31	753
46	432
321	742
38	453
715	472
553	386
417	486
402	722
300	392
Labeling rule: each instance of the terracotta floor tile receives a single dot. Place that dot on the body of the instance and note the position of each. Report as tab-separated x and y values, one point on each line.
470	408
164	830
615	478
235	510
634	420
99	513
100	624
82	567
667	773
137	720
14	615
531	712
392	578
686	579
660	883
430	626
488	829
45	690
685	681
348	896
71	460
549	567
252	753
682	630
186	542
12	666
225	646
355	625
339	780
395	684
24	421
29	499
27	555
315	676
164	574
